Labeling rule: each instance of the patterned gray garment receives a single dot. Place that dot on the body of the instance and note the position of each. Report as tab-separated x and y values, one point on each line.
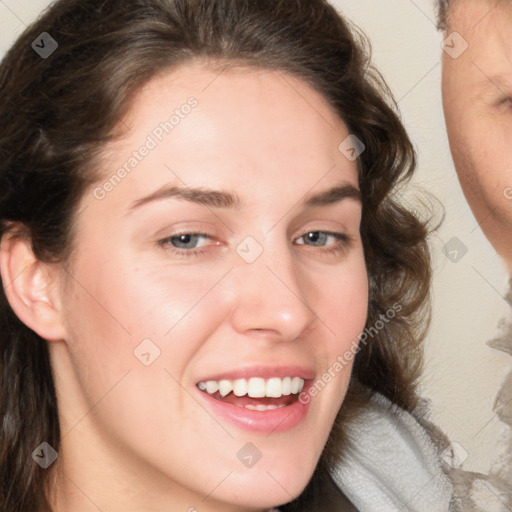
493	491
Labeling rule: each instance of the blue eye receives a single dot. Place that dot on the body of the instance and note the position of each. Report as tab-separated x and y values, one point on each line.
187	241
321	238
185	245
316	238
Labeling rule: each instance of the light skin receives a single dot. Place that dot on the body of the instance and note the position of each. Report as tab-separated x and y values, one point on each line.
141	437
477	98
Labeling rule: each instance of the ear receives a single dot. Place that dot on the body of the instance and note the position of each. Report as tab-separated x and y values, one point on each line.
31	287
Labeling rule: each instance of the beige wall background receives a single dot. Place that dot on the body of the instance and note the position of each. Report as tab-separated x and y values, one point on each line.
462	374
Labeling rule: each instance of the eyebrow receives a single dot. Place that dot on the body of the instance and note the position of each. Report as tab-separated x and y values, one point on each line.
334	195
500	81
203	196
224	199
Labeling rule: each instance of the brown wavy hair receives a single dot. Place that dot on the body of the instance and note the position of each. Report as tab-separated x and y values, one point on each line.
57	115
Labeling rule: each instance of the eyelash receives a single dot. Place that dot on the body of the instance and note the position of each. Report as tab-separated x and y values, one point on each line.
345	242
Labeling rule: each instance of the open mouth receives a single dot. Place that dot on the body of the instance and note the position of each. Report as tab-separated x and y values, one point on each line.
255	394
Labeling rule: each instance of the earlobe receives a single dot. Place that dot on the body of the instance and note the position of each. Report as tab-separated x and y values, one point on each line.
31	287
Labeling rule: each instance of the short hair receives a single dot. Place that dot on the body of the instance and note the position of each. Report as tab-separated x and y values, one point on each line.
442	8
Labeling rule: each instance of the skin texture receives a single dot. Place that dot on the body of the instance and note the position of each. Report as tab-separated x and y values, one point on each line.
477	98
141	437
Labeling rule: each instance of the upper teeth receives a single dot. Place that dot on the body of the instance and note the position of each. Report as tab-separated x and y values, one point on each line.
255	387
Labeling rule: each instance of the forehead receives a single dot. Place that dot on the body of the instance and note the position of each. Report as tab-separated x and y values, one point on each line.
251	130
240	94
487	28
479	17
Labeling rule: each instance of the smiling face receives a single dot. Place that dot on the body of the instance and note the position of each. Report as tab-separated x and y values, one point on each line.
227	255
477	92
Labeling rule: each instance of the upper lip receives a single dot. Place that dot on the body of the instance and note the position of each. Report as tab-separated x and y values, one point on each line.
265	372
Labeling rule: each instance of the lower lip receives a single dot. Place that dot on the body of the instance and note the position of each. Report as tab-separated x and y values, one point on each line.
274	420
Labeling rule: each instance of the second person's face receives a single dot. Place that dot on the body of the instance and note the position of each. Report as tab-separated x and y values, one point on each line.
477	97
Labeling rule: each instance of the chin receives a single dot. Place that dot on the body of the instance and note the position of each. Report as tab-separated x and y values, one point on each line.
268	486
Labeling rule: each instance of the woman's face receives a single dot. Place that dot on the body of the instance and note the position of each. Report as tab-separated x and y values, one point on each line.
225	255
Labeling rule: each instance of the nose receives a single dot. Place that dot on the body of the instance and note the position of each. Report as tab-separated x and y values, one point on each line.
270	298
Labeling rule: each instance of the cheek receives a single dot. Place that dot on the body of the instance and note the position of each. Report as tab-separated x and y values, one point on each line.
344	301
141	301
480	138
491	151
482	157
118	313
342	304
348	311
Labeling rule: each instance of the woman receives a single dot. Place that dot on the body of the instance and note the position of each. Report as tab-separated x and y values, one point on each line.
212	299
